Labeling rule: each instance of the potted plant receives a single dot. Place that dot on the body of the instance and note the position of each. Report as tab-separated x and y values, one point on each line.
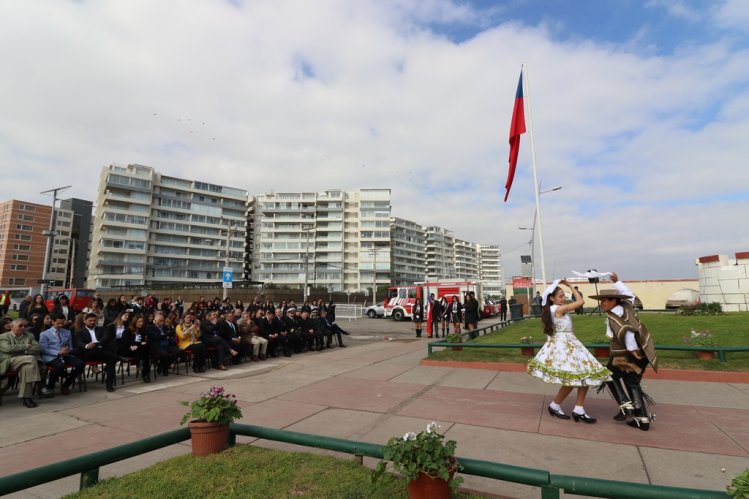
209	417
703	339
527	351
425	460
455	338
739	487
601	352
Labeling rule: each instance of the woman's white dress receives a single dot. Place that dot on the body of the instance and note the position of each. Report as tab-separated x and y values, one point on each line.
564	360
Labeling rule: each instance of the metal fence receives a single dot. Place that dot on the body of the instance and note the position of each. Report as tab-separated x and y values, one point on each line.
549	484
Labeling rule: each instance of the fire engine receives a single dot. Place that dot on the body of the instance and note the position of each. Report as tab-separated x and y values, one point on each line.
401	299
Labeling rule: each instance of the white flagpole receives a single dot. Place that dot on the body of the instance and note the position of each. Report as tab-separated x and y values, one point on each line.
528	119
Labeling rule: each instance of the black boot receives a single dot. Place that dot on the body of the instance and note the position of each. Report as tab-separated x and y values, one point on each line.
418	332
625	405
641	419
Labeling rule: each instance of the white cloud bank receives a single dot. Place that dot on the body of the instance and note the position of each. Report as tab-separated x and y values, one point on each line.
295	95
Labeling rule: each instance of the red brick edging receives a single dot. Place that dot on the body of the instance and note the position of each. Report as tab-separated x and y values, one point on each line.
663	373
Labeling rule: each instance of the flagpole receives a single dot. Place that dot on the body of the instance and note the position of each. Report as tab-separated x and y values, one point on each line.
529	119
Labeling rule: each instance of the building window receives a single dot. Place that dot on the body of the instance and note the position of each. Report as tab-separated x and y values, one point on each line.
24	227
27	218
16	281
26	207
23	237
19	257
21	247
18	267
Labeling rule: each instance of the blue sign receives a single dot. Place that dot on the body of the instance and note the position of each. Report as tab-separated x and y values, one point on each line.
228	277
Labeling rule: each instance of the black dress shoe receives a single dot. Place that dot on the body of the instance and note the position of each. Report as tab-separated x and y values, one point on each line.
583	417
27	402
146	378
47	393
342	346
641	423
110	388
558	414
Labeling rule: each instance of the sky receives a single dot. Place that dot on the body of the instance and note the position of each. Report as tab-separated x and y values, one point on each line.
639	111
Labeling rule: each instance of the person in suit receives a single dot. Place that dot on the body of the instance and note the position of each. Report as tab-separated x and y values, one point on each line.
331	329
250	332
210	336
266	331
18	352
162	342
56	347
229	331
279	327
90	341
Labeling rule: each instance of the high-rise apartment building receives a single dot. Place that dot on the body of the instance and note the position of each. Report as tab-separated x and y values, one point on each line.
79	243
440	253
466	260
154	229
408	247
337	240
490	269
23	244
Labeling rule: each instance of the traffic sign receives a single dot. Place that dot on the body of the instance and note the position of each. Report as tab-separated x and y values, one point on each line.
228	277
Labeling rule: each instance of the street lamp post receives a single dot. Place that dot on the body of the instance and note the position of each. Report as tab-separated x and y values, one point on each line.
229	230
374	252
50	233
306	227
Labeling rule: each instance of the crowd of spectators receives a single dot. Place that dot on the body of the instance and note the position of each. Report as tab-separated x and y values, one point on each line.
46	345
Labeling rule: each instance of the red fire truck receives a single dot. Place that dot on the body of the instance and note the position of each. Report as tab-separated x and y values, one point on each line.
401	299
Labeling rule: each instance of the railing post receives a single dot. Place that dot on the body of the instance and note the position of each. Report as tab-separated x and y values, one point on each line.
722	355
89	478
231	439
549	492
359	459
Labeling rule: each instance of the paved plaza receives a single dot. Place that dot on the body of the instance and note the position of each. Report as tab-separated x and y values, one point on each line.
377	388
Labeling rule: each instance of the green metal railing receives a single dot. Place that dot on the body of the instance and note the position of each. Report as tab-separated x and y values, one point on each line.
550	484
720	350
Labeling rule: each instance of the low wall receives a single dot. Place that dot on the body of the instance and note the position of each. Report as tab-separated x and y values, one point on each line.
725	280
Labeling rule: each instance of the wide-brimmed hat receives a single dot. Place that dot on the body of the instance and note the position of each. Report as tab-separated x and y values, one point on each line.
609	293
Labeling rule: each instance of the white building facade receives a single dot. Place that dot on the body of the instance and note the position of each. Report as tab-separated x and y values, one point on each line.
337	240
153	229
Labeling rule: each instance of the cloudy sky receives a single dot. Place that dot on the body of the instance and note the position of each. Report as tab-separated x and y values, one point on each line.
640	112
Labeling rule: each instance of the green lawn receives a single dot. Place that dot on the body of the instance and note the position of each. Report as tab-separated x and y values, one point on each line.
730	329
252	472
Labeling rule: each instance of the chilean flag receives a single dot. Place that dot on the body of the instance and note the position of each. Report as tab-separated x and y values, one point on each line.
517	128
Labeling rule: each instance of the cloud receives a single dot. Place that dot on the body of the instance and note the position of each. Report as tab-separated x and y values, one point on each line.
292	96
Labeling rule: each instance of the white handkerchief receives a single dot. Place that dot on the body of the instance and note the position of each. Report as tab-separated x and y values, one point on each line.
592	273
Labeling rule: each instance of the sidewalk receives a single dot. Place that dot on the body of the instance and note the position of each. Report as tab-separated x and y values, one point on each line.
376	389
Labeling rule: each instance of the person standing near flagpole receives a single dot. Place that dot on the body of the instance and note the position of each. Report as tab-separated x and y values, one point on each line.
563	359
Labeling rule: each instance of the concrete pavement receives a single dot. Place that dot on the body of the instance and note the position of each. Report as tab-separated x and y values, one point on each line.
375	389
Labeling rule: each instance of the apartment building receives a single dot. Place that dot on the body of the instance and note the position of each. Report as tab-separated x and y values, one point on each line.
490	269
23	244
440	253
337	240
154	229
466	260
408	247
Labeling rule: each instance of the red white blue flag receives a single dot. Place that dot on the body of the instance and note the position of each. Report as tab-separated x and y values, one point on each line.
517	128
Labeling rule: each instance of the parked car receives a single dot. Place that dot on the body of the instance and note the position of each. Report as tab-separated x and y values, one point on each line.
375	310
490	309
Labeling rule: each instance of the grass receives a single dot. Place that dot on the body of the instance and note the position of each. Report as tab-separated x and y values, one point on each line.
247	471
730	329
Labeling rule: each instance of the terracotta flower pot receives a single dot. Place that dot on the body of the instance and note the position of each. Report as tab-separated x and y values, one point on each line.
207	438
704	355
426	487
528	351
456	348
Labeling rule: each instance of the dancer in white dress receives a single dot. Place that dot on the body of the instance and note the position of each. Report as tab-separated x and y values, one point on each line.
563	359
